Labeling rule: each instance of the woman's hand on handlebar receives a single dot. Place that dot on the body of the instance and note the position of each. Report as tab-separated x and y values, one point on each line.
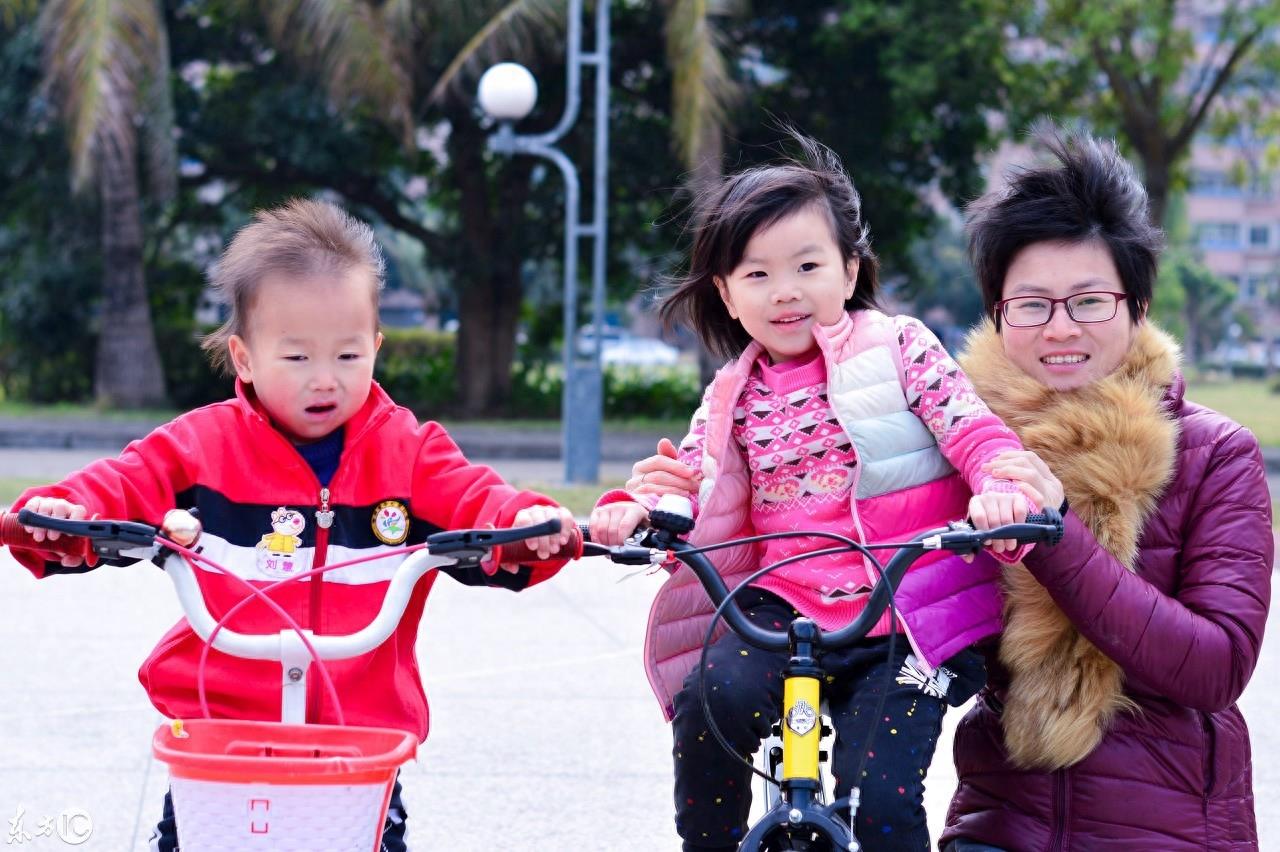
1031	474
548	545
56	507
613	523
663	474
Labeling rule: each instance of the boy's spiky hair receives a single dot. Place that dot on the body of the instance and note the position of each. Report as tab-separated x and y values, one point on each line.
299	239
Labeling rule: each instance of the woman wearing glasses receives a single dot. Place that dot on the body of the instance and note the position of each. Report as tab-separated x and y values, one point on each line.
1109	720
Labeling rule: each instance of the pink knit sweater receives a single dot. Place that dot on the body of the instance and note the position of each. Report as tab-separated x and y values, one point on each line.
801	464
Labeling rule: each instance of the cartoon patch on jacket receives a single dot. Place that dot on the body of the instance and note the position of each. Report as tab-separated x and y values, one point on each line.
276	557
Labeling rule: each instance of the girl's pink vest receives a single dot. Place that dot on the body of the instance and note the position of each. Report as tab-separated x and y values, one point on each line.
902	485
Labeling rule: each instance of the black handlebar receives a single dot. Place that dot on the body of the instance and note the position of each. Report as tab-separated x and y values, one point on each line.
113	540
1045	527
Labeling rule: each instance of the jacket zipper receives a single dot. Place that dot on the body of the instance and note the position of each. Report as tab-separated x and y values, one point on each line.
870	572
1061	783
324	520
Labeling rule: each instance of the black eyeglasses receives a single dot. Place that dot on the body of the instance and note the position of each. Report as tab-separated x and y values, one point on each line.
1031	311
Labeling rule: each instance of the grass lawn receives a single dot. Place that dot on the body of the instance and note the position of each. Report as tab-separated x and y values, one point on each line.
11	488
579	499
1250	403
675	428
10	408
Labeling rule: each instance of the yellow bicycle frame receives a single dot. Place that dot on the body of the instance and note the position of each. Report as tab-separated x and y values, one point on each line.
801	728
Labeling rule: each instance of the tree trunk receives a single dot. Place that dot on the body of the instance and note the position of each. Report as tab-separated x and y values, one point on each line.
489	297
1157	167
487	312
708	170
128	372
1191	346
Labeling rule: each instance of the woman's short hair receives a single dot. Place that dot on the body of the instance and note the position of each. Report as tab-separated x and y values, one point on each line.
730	213
1090	193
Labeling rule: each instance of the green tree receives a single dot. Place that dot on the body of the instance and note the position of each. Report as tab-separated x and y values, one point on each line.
430	51
1153	73
1206	300
49	251
943	275
903	92
106	64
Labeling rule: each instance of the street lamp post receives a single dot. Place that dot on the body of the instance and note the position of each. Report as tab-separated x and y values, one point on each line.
507	93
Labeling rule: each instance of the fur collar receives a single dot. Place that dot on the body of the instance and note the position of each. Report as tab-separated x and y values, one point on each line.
1113	446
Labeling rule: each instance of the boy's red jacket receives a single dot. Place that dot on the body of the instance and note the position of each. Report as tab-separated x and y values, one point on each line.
258	500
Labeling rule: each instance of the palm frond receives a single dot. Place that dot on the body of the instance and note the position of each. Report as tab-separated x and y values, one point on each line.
360	49
511	34
98	53
703	92
161	144
13	11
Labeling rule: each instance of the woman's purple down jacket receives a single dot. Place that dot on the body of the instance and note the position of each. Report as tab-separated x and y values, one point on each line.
1185	628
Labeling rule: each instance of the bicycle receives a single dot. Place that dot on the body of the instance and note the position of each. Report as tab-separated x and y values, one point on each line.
241	784
799	819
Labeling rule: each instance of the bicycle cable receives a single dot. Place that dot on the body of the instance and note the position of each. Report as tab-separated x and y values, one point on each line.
263	594
849	546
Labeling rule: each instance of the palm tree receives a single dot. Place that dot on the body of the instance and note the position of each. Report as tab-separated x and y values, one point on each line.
106	62
389	54
704	93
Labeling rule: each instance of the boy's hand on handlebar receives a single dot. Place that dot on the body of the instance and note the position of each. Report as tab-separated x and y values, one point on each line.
993	509
56	507
663	474
1031	474
547	545
614	523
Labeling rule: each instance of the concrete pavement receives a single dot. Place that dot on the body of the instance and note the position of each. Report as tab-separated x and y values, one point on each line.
545	735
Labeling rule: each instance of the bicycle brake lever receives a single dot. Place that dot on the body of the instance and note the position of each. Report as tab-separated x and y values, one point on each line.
960	537
110	540
475	543
630	554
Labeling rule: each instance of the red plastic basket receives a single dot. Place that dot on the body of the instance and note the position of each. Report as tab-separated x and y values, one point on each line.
241	785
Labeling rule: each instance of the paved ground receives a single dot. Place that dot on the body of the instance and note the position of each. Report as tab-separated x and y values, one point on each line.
544	735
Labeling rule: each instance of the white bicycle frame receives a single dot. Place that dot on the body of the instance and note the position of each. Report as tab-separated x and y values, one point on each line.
286	647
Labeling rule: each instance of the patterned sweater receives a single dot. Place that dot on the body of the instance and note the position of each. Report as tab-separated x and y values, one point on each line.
802	463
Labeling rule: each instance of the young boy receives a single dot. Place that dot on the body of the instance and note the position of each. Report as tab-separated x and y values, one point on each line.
310	464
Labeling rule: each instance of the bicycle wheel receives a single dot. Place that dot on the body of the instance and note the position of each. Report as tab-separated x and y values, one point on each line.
783	839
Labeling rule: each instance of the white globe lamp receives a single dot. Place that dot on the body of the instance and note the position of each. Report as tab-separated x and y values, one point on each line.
508	92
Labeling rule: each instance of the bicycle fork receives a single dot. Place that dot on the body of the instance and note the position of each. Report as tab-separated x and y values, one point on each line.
799	811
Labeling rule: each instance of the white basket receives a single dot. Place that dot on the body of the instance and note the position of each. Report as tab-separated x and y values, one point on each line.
215	816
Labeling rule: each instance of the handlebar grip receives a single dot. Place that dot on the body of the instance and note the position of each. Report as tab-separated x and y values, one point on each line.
14	534
520	553
1044	526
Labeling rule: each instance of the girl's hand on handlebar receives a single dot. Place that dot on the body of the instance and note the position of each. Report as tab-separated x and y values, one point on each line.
547	545
56	507
1031	474
614	523
993	509
662	474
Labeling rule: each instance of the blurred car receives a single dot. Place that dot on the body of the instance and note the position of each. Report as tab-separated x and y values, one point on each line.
620	346
639	351
609	333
